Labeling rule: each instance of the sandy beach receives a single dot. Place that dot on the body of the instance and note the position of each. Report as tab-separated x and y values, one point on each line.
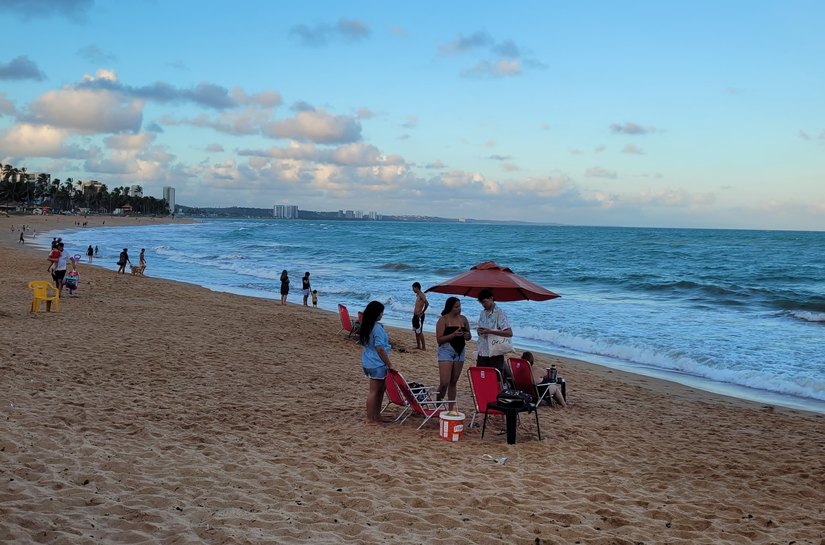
149	411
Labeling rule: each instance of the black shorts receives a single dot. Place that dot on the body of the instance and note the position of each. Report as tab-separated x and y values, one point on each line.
418	323
494	361
58	275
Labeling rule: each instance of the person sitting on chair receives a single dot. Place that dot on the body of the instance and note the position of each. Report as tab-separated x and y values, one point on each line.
542	382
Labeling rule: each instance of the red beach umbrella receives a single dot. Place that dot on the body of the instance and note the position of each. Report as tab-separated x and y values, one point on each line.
506	285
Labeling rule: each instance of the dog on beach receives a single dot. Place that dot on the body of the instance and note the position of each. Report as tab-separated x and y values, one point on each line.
137	270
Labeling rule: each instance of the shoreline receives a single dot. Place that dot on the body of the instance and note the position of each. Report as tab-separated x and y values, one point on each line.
149	410
691	382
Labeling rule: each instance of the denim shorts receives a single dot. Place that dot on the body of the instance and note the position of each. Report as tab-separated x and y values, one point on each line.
378	373
446	352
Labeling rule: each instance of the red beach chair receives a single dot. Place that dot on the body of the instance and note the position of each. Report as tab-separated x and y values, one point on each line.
347	323
523	379
394	397
427	408
485	384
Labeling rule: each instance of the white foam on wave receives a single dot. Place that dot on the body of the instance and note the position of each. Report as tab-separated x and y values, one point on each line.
805	386
808	316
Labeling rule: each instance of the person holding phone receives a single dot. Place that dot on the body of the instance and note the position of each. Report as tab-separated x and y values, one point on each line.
452	331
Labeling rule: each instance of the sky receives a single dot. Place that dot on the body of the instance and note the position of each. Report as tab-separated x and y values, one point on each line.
696	113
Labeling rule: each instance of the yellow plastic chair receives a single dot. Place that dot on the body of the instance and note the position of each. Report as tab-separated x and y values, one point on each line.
40	292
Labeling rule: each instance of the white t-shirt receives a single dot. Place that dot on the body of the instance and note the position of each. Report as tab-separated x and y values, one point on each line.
61	261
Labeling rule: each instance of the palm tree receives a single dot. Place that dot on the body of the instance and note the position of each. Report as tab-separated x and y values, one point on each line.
7	172
65	193
24	178
54	187
41	187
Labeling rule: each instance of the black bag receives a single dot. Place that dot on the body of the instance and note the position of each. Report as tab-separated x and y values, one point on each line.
419	391
514	398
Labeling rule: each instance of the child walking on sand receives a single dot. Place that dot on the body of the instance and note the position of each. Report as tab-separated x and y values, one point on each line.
72	280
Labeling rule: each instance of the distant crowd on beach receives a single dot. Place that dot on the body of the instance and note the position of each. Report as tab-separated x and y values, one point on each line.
65	272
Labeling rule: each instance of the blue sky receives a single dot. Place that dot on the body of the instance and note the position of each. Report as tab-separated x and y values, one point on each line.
673	114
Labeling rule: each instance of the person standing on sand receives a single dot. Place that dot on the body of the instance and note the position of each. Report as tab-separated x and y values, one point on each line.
375	358
452	331
22	240
306	287
421	305
284	286
60	269
90	253
122	261
492	321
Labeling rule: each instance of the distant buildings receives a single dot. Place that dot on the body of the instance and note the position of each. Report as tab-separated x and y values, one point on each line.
136	191
285	212
358	215
91	187
169	197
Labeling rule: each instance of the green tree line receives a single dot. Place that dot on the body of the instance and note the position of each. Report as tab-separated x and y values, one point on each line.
17	187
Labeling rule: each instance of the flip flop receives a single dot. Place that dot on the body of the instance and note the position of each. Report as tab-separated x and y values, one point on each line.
500	461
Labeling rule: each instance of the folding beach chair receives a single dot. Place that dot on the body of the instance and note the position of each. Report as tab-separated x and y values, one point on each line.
522	374
485	384
426	408
394	397
347	323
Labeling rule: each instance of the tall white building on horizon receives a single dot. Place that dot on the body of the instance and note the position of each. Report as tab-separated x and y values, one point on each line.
285	212
169	197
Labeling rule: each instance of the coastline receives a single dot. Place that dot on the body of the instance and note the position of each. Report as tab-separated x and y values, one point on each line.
149	409
761	391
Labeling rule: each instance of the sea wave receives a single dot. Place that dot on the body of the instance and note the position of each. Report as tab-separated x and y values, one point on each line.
808	316
807	385
396	267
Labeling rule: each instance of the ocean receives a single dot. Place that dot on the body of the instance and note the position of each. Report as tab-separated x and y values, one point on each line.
730	311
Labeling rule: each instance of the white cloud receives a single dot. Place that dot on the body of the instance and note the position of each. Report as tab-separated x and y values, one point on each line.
6	105
129	141
599	172
26	139
632	149
631	128
316	126
88	111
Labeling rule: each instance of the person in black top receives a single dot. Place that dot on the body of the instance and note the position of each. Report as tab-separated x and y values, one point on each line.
306	287
452	331
284	286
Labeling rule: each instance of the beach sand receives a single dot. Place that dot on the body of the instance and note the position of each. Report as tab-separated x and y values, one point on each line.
149	411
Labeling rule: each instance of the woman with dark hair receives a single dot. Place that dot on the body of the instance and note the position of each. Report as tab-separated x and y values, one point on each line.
375	359
284	286
452	331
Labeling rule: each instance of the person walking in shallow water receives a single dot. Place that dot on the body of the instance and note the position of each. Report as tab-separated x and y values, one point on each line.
122	261
284	286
